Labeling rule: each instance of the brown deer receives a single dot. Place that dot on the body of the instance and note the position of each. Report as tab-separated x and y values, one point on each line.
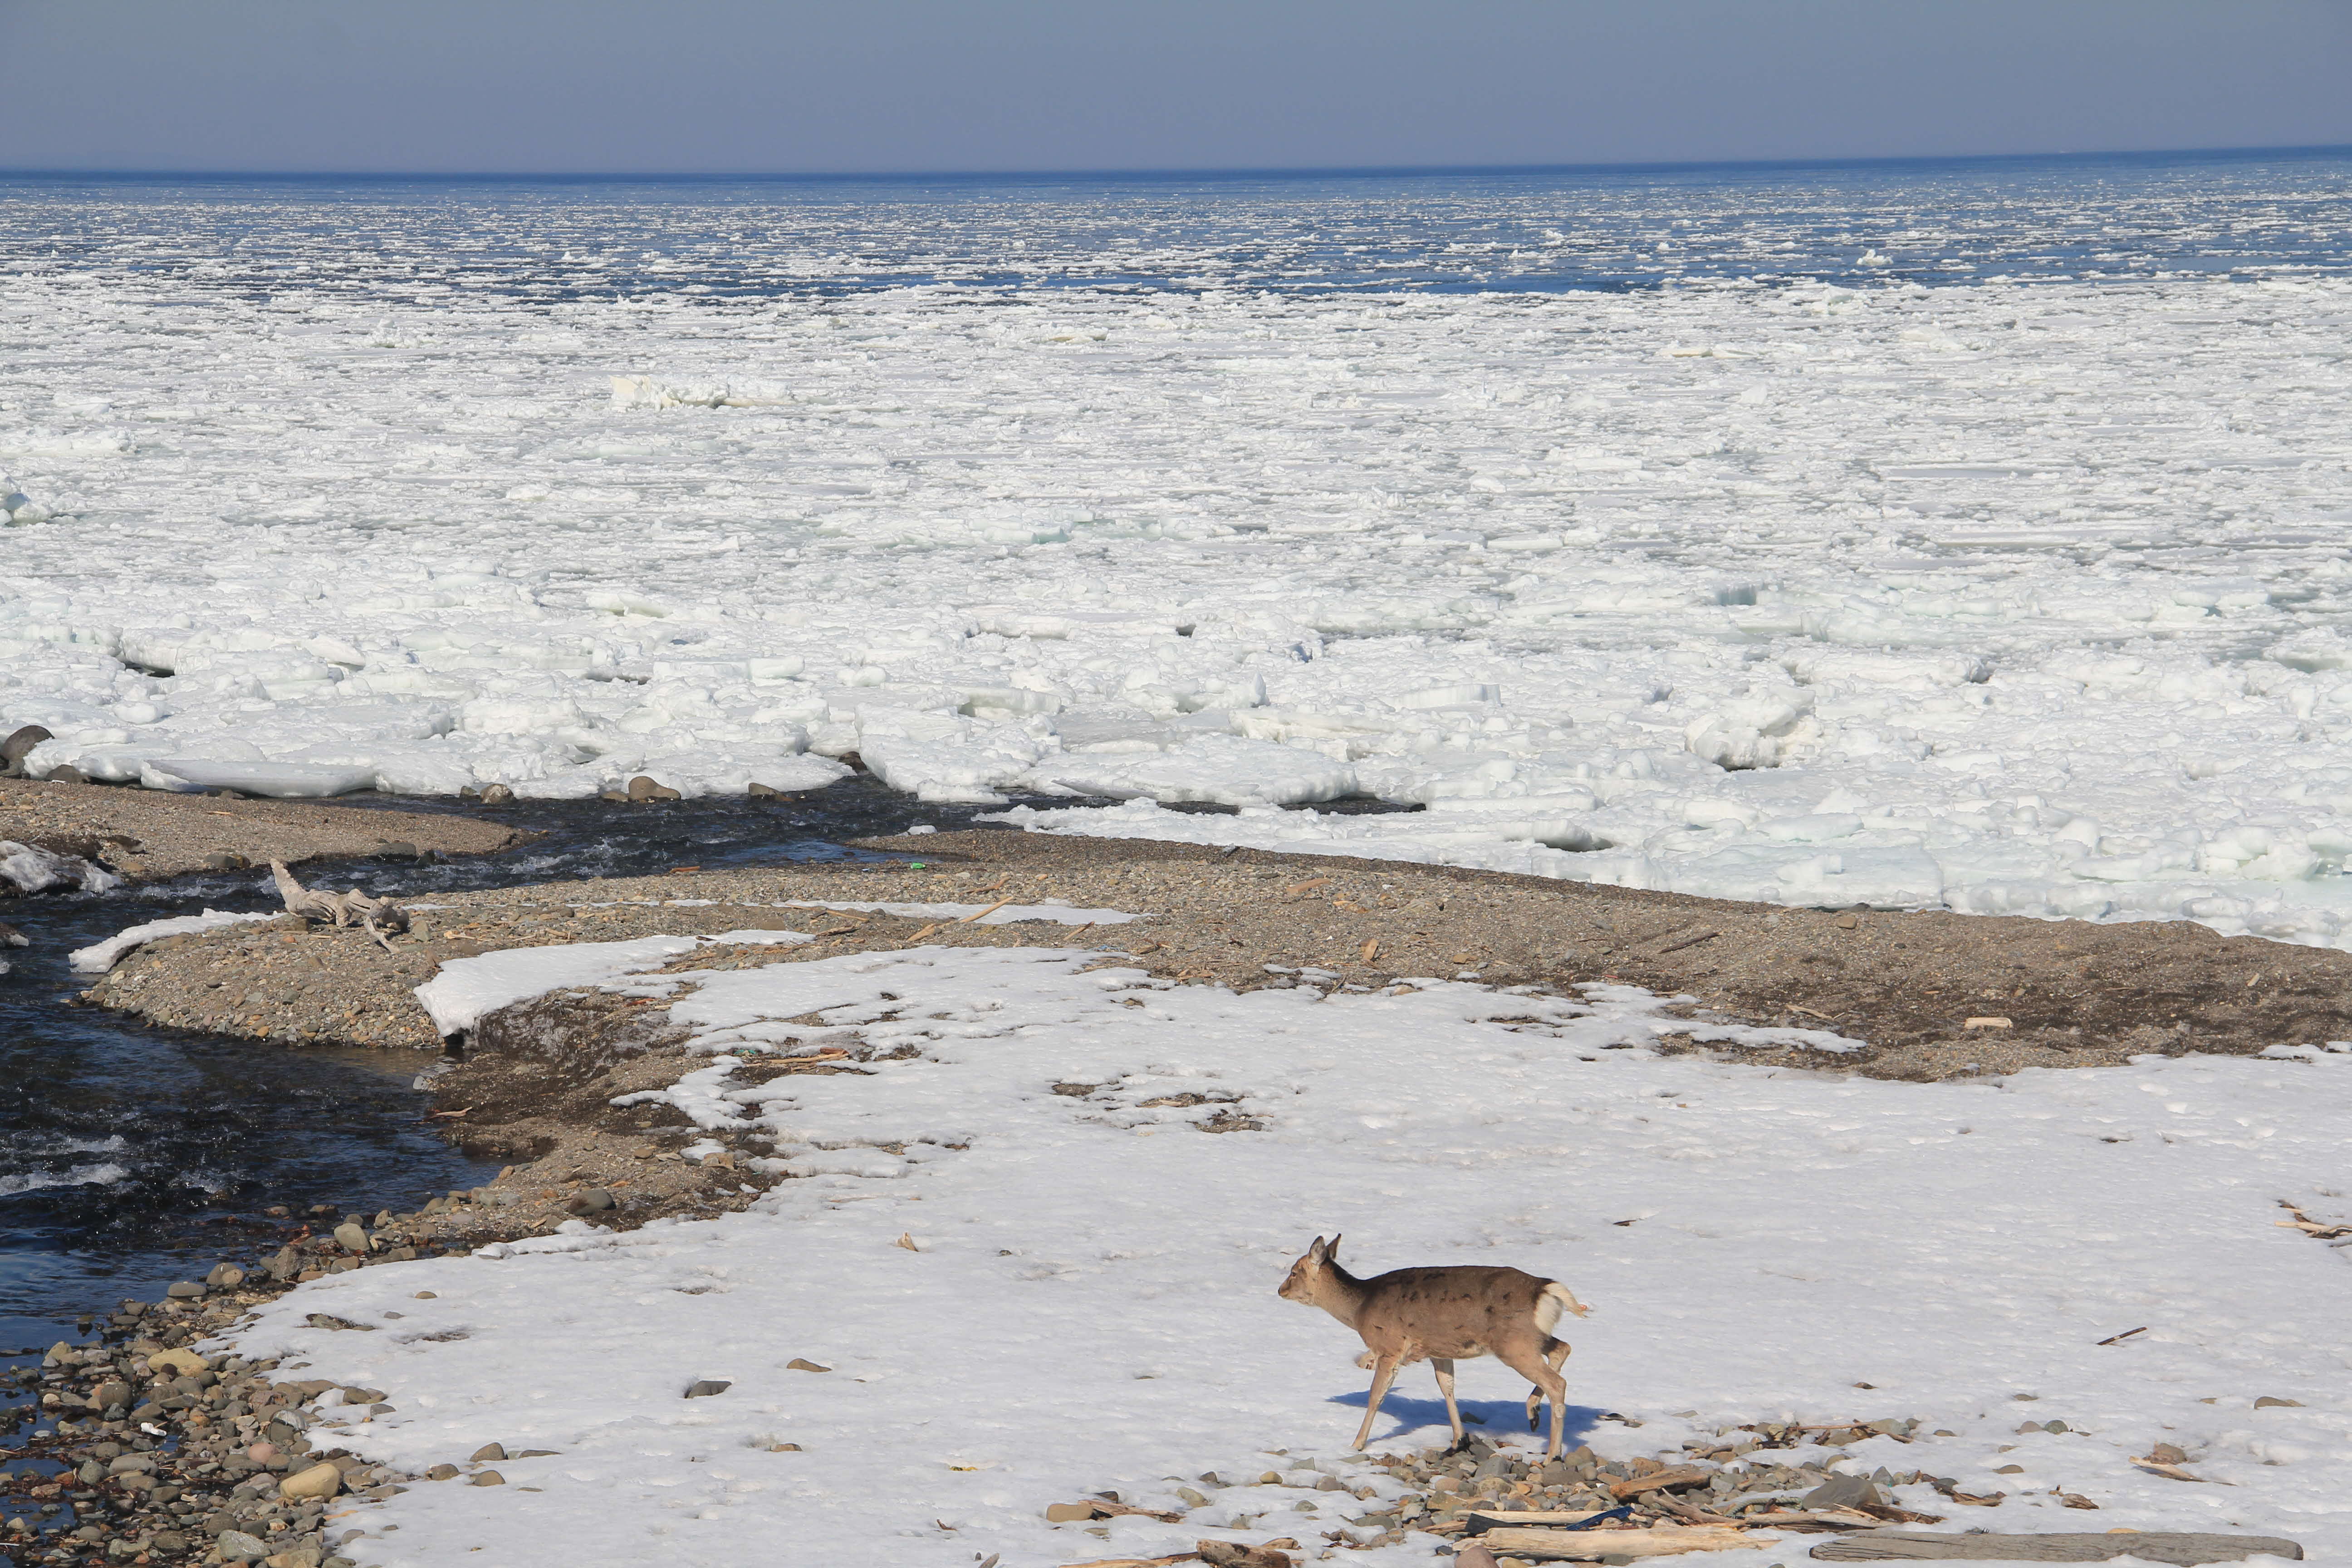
1441	1316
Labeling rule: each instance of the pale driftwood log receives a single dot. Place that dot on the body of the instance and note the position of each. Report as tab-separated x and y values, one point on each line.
2152	1545
1592	1545
378	915
1814	1518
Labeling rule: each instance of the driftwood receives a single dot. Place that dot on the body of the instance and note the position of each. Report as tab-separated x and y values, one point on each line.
1481	1520
378	915
1817	1519
2152	1545
1660	1480
1591	1545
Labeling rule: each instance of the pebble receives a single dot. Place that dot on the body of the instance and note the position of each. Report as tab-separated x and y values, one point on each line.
236	1545
489	1453
485	1479
705	1387
2269	1401
355	1239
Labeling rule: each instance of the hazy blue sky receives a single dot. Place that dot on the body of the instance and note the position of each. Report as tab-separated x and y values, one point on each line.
779	85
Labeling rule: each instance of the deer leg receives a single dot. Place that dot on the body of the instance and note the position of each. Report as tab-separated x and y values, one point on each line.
1555	1352
1383	1371
1444	1370
1538	1369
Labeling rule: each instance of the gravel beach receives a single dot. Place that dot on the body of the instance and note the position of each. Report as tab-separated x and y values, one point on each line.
149	836
1930	996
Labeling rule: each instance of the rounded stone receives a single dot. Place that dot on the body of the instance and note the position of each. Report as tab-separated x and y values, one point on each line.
236	1546
320	1481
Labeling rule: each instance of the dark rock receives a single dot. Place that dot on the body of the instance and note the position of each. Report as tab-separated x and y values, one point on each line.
497	795
13	749
705	1387
766	792
184	1289
11	937
396	849
67	774
1842	1491
592	1200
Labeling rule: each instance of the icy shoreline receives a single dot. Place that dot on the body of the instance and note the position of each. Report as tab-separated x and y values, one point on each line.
1024	1204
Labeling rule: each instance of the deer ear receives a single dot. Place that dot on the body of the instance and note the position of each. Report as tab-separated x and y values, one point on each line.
1331	1252
1315	1250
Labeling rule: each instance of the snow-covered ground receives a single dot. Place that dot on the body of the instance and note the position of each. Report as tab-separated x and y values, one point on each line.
2006	595
1084	1296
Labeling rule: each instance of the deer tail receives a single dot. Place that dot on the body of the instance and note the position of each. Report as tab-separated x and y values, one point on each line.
1554	1299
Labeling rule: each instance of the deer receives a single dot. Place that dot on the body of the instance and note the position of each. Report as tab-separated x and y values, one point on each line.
1441	1316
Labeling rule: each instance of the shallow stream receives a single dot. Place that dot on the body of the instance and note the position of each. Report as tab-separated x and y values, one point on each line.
132	1156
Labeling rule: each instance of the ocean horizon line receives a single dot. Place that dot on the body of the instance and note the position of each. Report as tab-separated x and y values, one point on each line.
1207	173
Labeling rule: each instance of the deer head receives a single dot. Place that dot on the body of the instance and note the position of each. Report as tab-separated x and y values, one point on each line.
1309	1277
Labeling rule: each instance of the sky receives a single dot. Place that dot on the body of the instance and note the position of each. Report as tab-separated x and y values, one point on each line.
781	86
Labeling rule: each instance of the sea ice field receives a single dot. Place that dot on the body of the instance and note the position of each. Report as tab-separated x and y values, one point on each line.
1012	1270
1963	535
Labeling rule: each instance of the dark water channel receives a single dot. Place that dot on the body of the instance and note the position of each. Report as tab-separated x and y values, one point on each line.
133	1156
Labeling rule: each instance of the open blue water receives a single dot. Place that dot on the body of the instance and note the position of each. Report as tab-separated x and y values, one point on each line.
1929	221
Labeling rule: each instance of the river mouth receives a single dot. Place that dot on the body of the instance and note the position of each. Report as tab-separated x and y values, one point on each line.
132	1156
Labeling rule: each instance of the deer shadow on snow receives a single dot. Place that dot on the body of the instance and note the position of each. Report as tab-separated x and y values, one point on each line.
1493	1419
